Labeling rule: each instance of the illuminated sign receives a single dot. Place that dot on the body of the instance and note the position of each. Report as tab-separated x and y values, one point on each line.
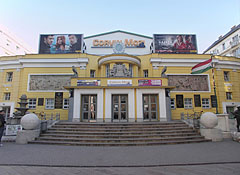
88	82
129	43
119	82
150	82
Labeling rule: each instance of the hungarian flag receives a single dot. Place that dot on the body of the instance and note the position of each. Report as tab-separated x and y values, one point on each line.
202	67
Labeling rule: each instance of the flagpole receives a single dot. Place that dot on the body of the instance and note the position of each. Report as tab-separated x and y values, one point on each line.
214	86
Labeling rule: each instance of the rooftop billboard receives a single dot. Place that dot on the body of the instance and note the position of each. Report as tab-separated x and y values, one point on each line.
175	43
60	43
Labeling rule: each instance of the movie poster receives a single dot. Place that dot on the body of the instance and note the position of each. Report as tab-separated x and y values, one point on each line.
60	43
165	43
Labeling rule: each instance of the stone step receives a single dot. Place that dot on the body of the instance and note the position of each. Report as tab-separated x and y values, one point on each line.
119	129
120	133
125	124
132	140
120	144
117	136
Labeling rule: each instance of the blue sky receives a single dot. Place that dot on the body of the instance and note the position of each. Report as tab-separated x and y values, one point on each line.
208	19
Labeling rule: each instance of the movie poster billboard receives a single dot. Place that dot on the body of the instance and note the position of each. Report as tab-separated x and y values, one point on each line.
175	43
60	43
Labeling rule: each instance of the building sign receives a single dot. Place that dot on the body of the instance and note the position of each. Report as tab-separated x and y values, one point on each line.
60	43
11	130
88	82
149	82
119	82
164	43
129	43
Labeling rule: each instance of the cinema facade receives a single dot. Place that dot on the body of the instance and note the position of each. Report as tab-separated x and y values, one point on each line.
120	77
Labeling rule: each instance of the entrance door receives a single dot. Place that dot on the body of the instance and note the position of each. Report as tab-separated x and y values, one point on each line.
119	108
89	107
150	107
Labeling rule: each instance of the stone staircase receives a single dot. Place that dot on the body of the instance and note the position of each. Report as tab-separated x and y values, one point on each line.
119	134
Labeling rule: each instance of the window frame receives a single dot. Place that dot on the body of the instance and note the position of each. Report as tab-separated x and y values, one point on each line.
49	106
206	105
145	73
226	75
229	95
92	73
107	67
188	103
7	96
9	76
31	104
172	103
66	106
131	70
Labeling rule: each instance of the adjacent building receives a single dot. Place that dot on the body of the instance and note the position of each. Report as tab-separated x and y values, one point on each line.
11	45
227	45
118	77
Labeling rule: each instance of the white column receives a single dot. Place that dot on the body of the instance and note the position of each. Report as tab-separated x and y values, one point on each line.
76	105
162	105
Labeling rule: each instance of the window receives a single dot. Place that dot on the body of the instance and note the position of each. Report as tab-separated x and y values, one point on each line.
179	101
7	96
32	102
40	101
223	46
49	103
173	103
145	73
205	103
197	100
130	70
65	103
229	95
226	75
187	103
213	101
9	76
107	70
92	73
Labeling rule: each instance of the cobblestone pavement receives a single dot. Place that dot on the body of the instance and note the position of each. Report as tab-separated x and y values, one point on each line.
220	158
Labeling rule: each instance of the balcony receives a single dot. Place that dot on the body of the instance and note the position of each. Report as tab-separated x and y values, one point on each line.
234	43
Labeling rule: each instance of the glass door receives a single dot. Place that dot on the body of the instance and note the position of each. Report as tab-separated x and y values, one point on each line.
89	107
150	107
119	108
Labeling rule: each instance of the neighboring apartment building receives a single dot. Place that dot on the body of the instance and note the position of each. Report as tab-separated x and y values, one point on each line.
227	45
11	45
124	81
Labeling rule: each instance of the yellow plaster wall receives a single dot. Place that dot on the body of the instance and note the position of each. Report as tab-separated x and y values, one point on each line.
20	79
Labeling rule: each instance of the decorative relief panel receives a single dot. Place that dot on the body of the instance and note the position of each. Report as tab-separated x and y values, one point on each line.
189	82
49	82
119	70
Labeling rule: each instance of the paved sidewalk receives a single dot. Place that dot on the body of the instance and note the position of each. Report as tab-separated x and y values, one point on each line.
205	157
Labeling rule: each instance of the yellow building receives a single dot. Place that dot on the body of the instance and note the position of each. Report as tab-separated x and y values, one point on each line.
113	86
